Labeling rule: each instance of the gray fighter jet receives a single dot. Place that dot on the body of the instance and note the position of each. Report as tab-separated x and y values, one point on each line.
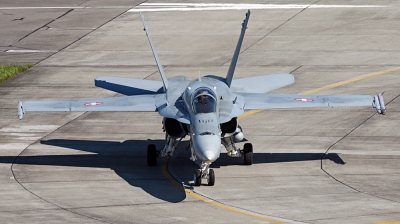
205	109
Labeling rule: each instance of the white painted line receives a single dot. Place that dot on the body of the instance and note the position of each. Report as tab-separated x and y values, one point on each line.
183	6
29	51
152	7
255	5
201	6
219	5
66	7
77	7
29	128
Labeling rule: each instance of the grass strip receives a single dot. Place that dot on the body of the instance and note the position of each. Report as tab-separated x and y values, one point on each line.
8	71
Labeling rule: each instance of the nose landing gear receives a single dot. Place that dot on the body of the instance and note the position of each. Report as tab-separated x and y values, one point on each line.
211	178
204	173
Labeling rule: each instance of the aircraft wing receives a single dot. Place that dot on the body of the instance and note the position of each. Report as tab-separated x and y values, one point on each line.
124	103
128	86
261	84
268	101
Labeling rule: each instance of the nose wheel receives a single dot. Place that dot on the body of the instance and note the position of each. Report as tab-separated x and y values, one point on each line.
211	178
198	175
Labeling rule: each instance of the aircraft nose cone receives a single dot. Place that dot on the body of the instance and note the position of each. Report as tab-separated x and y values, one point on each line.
207	147
210	155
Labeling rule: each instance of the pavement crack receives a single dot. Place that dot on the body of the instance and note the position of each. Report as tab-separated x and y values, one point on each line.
36	195
296	69
81	36
342	138
154	73
350	216
45	25
119	205
67	12
18	19
251	45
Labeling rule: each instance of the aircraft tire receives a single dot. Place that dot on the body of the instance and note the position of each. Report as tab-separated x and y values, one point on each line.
151	155
211	178
197	178
248	154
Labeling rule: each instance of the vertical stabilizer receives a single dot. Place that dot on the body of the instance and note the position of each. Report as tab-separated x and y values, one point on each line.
231	71
160	68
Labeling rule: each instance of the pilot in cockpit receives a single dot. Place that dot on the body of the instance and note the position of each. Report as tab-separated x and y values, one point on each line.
204	99
204	102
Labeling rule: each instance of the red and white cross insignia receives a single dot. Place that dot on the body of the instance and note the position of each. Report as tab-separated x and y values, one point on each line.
304	99
93	103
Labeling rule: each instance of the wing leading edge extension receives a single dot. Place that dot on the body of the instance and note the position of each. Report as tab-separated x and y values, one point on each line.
270	101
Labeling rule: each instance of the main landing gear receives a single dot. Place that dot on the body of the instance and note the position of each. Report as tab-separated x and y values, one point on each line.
152	155
169	148
246	153
199	174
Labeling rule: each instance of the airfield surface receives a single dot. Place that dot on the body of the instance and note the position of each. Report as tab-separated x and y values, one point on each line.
324	165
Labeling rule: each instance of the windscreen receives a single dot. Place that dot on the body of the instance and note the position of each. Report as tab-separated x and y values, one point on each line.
204	101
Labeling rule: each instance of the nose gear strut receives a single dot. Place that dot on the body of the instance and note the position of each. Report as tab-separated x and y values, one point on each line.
204	173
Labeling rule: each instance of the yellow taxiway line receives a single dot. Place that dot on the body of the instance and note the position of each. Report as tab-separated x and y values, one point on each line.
212	202
332	86
207	200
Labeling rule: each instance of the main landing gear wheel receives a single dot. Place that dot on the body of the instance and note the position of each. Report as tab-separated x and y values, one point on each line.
211	178
151	155
197	178
248	154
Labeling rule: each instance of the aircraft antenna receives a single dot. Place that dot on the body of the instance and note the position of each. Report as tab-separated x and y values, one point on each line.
232	66
160	68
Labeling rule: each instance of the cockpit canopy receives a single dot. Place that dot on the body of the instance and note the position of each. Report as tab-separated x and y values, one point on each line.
204	101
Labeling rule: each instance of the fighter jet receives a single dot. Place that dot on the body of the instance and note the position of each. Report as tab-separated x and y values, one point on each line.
204	109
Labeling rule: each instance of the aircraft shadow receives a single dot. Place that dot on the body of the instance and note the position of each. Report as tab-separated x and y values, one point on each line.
186	175
127	159
258	158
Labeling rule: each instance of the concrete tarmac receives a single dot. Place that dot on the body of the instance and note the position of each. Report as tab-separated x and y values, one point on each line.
319	165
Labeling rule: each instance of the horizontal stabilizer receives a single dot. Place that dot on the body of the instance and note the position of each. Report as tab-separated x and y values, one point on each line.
128	86
261	84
